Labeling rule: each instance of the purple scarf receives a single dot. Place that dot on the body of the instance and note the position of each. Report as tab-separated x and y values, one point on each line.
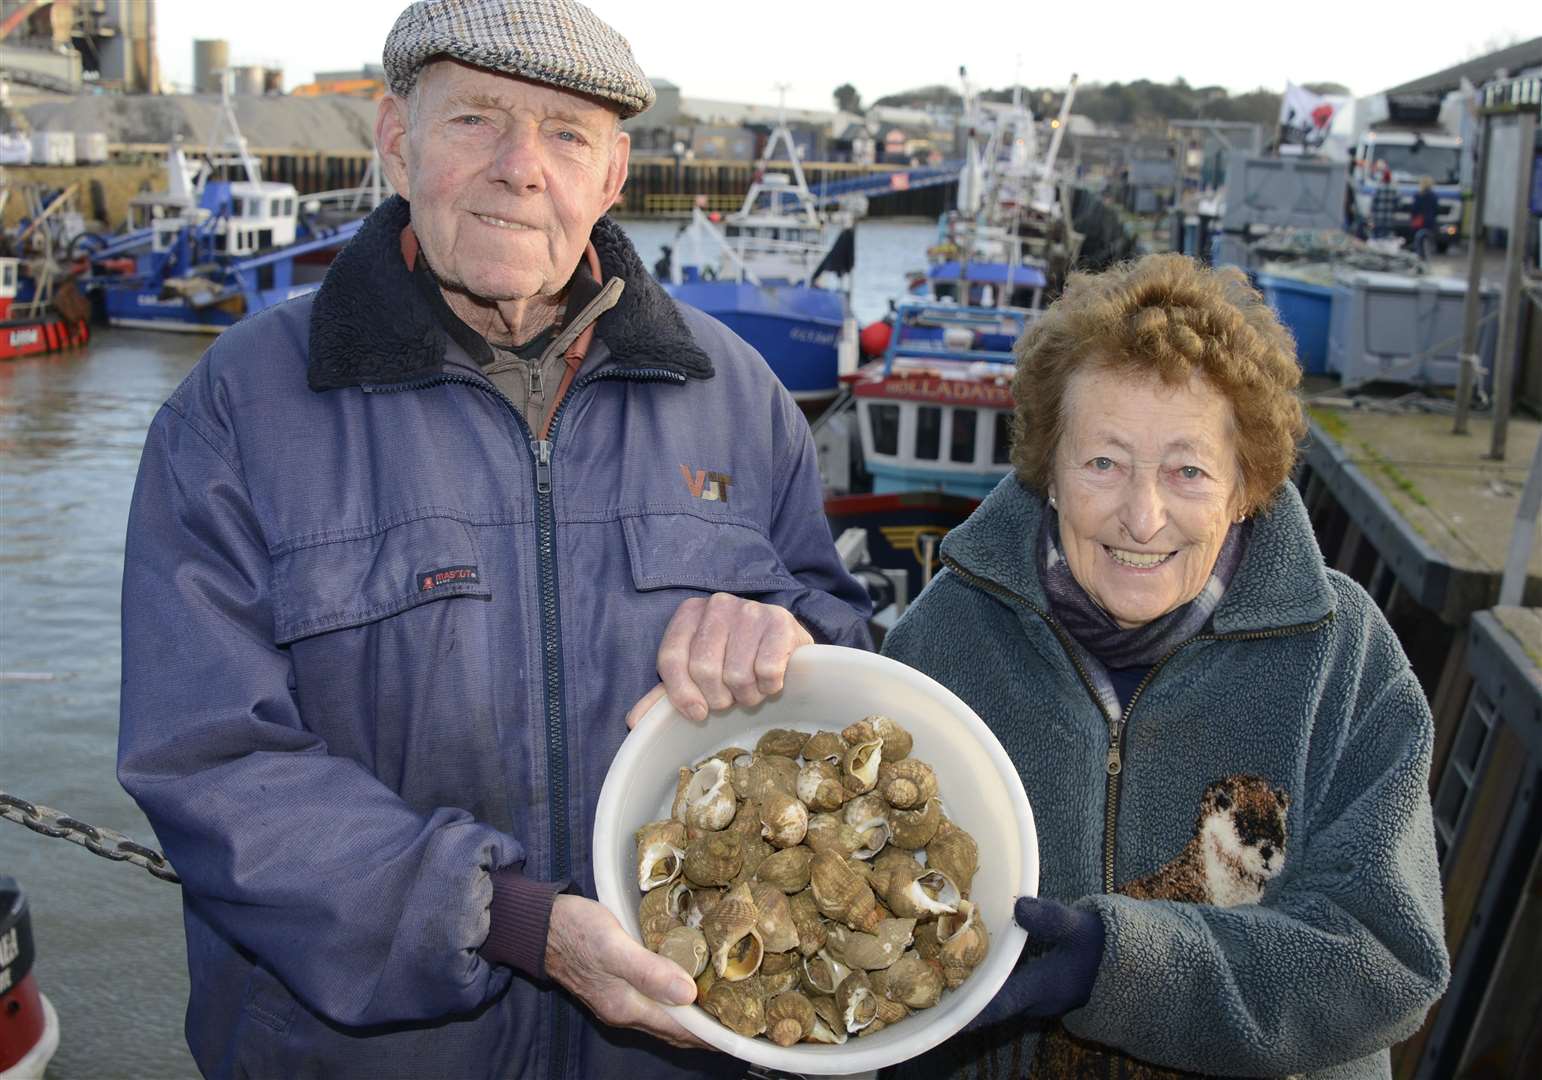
1102	642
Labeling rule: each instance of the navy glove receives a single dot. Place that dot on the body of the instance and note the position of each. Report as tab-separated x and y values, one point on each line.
1065	947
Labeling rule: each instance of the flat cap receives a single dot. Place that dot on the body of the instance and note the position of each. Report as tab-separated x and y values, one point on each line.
557	42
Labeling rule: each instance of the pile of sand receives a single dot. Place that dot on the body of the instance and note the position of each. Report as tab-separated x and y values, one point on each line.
268	123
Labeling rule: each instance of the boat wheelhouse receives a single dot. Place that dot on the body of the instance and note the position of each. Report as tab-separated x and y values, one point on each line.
935	414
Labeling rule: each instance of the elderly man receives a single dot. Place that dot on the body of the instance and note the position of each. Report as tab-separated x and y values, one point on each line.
402	554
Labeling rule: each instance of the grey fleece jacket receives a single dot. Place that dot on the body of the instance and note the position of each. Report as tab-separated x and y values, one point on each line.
1298	700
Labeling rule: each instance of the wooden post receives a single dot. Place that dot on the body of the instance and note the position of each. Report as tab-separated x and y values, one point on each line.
1472	306
1513	584
1509	303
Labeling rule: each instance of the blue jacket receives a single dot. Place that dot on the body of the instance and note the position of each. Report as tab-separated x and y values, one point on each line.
1300	697
378	643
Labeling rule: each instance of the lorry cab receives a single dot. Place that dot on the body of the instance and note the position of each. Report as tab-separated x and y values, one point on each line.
1411	155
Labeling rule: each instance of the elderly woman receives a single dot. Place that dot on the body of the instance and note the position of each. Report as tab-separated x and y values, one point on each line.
1225	748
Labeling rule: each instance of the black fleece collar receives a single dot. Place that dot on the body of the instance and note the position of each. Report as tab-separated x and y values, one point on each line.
370	324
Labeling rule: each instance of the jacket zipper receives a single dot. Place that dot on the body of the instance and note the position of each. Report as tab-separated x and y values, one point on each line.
551	623
1114	762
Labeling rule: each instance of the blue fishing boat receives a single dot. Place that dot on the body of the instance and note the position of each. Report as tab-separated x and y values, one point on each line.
244	247
795	327
757	273
207	252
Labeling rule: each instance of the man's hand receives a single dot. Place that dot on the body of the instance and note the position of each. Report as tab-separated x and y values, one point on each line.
720	652
621	982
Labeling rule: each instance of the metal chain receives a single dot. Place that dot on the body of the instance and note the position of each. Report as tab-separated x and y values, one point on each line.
94	838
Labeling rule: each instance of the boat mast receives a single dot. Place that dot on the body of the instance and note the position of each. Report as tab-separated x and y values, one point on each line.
226	145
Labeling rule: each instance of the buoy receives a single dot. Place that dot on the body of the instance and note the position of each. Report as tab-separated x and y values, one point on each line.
875	338
29	1027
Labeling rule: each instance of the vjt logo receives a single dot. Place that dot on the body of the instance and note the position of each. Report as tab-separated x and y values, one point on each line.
711	486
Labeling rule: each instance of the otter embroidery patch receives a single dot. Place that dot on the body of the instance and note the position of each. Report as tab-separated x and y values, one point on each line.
1238	847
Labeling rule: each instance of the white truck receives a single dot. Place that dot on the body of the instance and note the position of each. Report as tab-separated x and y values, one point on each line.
1415	136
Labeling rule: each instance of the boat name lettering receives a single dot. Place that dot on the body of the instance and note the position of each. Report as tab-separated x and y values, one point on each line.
10	948
27	336
813	337
5	979
155	301
957	390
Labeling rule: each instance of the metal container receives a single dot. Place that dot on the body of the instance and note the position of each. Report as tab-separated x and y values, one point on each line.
1305	307
90	147
1231	249
53	148
247	79
1304	193
1396	328
211	56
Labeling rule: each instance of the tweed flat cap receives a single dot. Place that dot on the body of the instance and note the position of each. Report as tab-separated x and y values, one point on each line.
557	42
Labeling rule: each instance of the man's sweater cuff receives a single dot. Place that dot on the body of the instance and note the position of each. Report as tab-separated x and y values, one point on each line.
519	917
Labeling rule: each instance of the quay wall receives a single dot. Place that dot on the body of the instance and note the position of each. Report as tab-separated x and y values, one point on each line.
105	189
656	187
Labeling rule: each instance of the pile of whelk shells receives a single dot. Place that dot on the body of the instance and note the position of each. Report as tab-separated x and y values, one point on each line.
812	887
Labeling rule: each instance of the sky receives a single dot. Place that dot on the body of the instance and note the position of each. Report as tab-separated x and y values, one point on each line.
739	51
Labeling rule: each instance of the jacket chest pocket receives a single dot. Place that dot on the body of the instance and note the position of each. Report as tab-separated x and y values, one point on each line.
345	583
684	551
389	638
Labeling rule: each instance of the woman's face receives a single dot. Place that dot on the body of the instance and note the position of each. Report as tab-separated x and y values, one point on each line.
1147	484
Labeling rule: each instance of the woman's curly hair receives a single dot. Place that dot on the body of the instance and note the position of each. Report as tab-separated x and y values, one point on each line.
1164	316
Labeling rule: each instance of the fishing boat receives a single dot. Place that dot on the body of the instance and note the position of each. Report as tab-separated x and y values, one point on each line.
932	412
30	327
934	417
1008	238
210	251
1009	241
756	271
29	1026
935	413
41	310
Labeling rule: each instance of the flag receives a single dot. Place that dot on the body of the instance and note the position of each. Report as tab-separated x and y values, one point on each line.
1305	117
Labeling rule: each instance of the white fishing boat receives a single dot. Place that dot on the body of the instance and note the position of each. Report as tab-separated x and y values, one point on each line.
992	248
757	271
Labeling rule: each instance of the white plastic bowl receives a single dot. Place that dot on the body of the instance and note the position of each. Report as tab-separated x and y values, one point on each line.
830	687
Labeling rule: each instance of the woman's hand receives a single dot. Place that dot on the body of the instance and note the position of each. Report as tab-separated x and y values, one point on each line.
720	652
621	982
1070	943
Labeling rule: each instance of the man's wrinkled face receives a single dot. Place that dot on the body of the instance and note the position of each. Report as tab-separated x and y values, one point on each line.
506	177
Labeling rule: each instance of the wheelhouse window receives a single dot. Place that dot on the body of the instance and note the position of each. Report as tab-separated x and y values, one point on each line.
961	445
1002	453
928	432
885	419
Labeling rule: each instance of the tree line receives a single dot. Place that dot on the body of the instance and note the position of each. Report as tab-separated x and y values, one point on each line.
1140	104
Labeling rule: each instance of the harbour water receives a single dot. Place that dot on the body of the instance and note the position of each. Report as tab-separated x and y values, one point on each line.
109	936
